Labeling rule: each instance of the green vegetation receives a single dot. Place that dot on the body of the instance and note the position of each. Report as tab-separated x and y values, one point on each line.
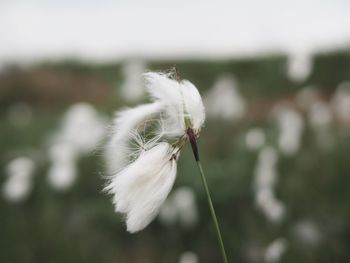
79	225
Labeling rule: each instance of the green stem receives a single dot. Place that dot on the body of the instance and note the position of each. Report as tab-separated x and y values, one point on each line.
193	141
212	211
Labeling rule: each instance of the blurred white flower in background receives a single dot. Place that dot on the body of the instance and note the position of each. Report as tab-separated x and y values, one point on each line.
275	250
306	97
82	129
180	207
265	171
185	203
19	179
291	126
307	232
19	114
319	114
63	170
255	139
341	103
264	183
224	100
321	117
299	66
188	257
168	214
132	88
272	208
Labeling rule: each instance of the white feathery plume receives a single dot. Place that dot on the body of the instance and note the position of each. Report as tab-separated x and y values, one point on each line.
117	149
141	188
141	178
180	100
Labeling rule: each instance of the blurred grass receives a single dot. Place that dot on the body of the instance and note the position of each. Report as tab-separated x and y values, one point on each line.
79	225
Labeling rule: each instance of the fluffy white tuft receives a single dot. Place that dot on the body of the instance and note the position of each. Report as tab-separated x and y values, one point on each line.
117	150
141	188
180	100
141	178
193	104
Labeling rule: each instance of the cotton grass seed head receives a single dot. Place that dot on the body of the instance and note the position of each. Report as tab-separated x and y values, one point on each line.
145	144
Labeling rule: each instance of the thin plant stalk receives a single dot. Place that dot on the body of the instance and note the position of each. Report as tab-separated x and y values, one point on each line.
193	142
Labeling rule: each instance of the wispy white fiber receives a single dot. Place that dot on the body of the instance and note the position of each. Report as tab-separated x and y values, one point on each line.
117	149
141	188
19	179
140	176
180	100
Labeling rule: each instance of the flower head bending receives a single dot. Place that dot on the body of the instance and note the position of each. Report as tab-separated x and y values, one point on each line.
140	179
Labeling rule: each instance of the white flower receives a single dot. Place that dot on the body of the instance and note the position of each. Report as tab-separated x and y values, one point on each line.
145	145
117	149
141	188
180	100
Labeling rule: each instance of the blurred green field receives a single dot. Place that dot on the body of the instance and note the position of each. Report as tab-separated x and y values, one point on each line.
79	224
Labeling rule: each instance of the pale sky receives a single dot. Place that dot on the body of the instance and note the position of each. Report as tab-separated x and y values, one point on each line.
111	30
